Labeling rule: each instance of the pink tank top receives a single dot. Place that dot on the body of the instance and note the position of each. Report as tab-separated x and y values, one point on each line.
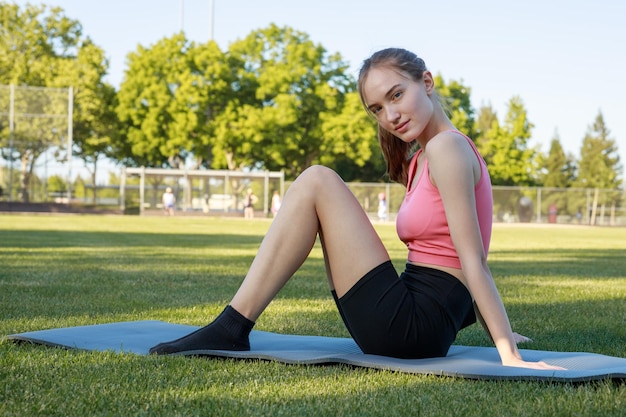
422	225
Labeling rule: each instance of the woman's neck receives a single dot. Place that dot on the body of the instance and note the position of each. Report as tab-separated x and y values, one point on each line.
438	123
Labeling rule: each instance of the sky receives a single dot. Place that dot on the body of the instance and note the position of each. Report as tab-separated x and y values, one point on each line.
564	59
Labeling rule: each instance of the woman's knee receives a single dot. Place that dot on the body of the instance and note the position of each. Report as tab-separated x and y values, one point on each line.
318	175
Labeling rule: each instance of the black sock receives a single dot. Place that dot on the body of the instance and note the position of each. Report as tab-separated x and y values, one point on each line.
229	331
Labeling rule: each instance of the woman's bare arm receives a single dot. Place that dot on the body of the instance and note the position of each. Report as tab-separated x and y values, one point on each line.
455	170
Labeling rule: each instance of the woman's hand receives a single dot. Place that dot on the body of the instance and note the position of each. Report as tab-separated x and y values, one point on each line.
520	363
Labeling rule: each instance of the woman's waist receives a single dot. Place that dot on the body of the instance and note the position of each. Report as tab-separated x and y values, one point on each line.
455	272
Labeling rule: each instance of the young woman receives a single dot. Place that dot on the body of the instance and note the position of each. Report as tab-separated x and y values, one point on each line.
445	221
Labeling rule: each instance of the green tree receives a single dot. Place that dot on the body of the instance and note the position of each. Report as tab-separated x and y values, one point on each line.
599	167
170	94
41	47
505	146
559	169
57	185
163	102
32	43
455	98
298	89
96	127
599	164
486	120
350	143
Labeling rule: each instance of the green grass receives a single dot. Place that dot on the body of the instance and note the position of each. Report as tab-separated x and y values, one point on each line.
562	286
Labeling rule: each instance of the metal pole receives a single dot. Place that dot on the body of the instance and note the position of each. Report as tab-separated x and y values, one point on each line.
388	195
227	190
282	183
181	14
211	18
538	210
70	142
266	192
11	136
123	190
142	185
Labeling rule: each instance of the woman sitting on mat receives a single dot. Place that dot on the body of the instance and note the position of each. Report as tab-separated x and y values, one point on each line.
445	221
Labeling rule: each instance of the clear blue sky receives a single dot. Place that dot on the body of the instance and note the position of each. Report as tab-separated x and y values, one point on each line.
565	59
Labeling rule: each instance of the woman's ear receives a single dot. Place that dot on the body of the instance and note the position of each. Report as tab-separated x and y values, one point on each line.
429	82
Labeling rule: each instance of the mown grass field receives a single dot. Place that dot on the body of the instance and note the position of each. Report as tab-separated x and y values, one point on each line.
563	286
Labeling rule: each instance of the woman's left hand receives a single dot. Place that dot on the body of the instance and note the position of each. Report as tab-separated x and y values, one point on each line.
519	363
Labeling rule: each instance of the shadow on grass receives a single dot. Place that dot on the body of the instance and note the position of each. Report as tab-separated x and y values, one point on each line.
583	263
64	239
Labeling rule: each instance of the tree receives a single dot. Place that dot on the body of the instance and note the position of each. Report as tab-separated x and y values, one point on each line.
161	103
505	146
274	100
32	42
599	164
96	127
599	167
559	169
170	94
298	87
351	146
487	119
456	101
41	47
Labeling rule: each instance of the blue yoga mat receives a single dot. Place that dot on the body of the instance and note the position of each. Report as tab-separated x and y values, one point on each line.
462	361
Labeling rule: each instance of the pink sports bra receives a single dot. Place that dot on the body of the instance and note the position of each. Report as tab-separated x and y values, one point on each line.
422	225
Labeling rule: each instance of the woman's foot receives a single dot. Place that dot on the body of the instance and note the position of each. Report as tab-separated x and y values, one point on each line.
229	331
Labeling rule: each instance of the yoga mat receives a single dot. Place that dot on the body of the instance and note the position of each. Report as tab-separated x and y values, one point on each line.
462	361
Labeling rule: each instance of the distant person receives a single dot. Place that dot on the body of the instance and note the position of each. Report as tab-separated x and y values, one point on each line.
553	212
525	209
445	221
205	203
275	203
382	207
248	207
168	201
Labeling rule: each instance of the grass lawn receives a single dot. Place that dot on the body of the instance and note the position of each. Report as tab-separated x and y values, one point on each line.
565	287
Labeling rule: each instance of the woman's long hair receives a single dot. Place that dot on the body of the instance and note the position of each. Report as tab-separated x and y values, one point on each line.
396	152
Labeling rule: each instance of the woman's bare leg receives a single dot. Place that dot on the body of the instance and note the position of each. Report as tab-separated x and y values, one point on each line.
317	202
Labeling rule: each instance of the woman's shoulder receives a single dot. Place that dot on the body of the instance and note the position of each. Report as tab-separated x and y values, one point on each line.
446	142
451	153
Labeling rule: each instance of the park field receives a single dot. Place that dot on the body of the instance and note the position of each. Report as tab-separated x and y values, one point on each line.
563	286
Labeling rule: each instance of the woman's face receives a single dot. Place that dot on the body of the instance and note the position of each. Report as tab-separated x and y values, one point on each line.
401	105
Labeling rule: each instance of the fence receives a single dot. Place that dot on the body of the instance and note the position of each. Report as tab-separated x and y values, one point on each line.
33	121
198	191
521	204
222	192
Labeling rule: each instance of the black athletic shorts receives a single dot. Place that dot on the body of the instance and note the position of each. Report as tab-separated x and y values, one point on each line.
414	315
